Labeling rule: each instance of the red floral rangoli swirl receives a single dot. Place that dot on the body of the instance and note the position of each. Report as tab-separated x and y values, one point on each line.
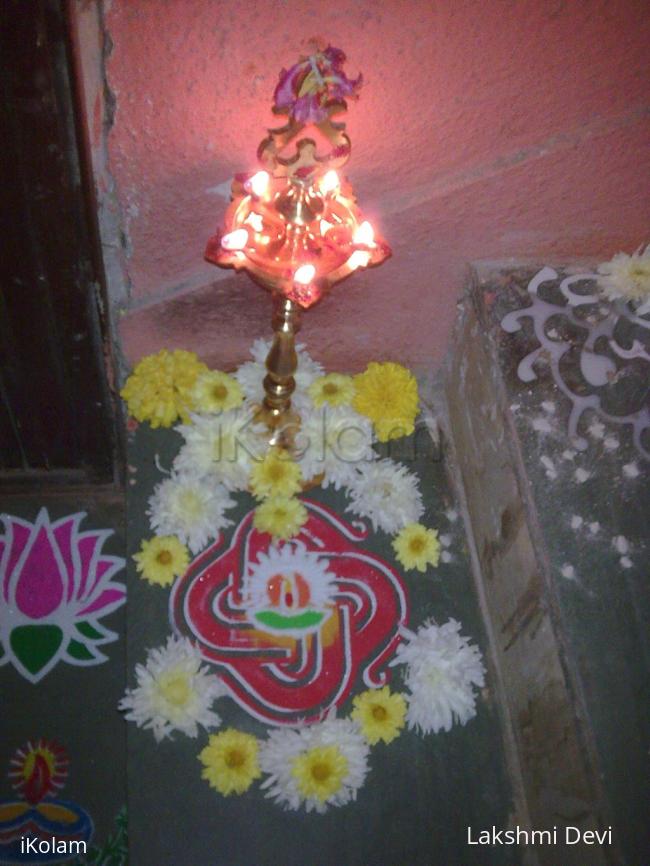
288	679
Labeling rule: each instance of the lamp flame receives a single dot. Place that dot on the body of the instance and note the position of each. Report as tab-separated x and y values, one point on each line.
255	221
259	183
329	181
358	259
236	240
304	274
364	234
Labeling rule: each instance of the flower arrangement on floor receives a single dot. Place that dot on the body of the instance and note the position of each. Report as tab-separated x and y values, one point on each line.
627	278
225	451
323	764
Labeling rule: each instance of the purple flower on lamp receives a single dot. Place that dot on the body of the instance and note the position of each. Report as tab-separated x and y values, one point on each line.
306	89
55	586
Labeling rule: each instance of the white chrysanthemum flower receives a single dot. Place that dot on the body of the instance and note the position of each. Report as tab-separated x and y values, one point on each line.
387	494
335	441
222	447
442	670
627	277
191	508
175	692
250	375
316	767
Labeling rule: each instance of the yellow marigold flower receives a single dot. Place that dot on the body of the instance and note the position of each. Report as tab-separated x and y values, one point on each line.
215	391
161	559
276	475
334	388
379	714
320	772
280	516
159	389
387	393
416	547
230	761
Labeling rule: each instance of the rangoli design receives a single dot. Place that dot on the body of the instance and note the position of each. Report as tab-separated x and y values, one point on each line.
288	614
291	629
55	586
38	772
608	326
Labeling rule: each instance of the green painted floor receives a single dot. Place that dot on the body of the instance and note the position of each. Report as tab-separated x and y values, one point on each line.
72	705
422	792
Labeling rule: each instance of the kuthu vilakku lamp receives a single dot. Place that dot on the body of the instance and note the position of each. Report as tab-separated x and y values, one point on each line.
294	225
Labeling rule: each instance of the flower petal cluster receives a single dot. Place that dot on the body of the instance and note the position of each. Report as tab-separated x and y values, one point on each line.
442	672
334	389
221	447
387	393
380	714
280	516
334	442
159	390
275	475
251	375
230	761
215	391
306	88
161	559
387	494
191	508
627	277
174	692
417	547
315	767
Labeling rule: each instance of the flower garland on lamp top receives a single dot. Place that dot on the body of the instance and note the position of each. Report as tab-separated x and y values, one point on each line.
323	764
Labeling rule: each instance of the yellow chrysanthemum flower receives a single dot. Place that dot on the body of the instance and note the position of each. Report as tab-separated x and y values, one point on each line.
320	772
416	547
215	391
387	393
280	516
276	475
230	761
334	388
379	714
159	389
161	559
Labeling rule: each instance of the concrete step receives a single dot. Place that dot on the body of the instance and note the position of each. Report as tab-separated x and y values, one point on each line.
552	449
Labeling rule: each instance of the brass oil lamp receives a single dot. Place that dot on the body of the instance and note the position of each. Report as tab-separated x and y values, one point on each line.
294	225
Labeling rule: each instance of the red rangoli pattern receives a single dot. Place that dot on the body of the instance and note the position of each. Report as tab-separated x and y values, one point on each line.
287	679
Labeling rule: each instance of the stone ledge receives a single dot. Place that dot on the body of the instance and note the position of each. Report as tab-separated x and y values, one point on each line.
565	616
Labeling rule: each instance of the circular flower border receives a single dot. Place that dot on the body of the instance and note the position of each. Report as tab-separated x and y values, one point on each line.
318	766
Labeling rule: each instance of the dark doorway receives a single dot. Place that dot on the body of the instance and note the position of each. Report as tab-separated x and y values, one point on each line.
57	416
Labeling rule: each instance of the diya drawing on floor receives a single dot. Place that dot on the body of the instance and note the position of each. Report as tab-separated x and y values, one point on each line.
289	614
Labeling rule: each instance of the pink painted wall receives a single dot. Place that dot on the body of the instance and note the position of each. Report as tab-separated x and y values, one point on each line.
498	129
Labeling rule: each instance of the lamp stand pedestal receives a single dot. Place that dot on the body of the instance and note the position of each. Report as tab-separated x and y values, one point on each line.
279	383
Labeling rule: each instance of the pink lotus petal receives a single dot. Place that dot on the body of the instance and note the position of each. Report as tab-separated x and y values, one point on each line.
19	538
104	565
63	535
40	586
88	544
110	599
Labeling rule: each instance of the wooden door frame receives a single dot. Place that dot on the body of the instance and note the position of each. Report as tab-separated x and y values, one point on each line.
106	468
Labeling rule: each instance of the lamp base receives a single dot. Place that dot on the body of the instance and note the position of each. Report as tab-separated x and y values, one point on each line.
279	383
